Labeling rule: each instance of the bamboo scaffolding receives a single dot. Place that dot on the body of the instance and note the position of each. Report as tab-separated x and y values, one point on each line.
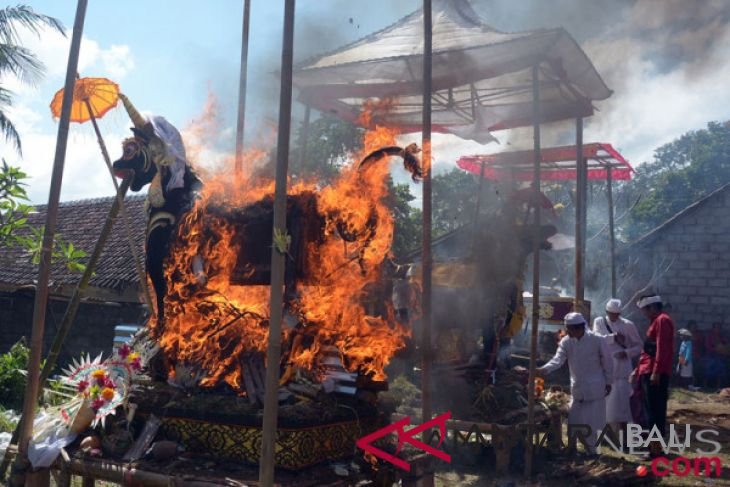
271	398
125	216
611	230
535	272
74	302
243	79
44	271
426	412
581	178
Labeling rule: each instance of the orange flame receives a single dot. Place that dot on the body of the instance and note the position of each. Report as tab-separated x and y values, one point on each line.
214	324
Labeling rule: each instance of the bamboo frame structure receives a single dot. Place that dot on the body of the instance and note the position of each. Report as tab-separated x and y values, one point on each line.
123	210
242	83
535	271
426	412
305	136
580	195
271	401
611	229
44	271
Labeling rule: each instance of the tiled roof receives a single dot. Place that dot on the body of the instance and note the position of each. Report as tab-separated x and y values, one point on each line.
80	223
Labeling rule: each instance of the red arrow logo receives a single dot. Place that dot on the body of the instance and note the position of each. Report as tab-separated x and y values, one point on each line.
406	437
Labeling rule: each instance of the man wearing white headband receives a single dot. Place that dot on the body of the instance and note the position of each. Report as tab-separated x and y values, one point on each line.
655	364
624	344
591	375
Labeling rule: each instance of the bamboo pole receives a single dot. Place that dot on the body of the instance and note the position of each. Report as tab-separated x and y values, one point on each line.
427	479
305	136
41	294
243	78
70	313
74	302
537	234
125	216
580	197
268	441
426	246
611	230
479	193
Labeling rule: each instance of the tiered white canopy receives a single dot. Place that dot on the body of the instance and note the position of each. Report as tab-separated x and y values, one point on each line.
482	77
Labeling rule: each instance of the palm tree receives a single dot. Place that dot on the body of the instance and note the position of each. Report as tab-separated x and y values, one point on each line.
17	60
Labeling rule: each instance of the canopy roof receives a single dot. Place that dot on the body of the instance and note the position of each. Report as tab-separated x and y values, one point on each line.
481	77
557	164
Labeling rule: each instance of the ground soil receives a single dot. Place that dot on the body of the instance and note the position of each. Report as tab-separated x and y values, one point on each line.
702	410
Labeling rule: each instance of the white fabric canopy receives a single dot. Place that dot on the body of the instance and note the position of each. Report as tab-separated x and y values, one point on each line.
481	77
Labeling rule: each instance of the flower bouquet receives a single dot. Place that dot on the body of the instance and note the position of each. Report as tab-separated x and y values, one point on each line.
101	387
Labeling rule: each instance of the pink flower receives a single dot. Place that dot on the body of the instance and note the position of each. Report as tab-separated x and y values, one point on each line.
109	383
124	350
82	385
97	404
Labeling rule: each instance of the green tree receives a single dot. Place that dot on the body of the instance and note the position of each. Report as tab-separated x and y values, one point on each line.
682	172
454	197
14	227
328	143
407	233
13	208
18	60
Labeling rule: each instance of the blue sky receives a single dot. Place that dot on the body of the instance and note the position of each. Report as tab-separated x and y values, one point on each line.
168	55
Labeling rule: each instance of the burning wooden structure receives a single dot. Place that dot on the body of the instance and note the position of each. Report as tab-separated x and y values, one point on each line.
215	328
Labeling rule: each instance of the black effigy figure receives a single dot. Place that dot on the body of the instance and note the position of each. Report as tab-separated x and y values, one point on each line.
155	155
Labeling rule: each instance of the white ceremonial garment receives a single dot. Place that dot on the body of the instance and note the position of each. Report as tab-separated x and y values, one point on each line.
591	369
618	403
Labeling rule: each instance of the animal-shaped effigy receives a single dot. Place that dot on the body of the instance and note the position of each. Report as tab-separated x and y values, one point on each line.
155	155
209	257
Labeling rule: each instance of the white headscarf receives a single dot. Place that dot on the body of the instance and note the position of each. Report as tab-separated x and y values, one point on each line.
644	302
175	158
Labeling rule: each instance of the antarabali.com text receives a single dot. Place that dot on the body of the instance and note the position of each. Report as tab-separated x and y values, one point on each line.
681	439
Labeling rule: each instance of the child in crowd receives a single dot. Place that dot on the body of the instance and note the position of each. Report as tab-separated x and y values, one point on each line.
684	367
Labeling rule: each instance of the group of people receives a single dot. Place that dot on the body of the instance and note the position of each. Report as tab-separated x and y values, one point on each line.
605	386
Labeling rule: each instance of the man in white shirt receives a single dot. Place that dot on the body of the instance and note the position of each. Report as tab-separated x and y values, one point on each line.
624	344
591	375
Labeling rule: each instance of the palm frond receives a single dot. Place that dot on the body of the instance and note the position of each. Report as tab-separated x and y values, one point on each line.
24	16
21	62
6	97
7	129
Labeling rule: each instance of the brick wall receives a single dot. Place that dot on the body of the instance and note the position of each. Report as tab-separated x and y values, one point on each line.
698	245
92	331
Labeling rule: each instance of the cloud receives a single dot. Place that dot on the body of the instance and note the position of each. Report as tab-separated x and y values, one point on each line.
666	83
85	173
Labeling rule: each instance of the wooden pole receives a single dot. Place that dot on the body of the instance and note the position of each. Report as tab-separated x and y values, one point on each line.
73	304
537	237
427	479
268	443
41	294
71	309
426	245
242	87
125	216
611	230
580	202
305	136
479	193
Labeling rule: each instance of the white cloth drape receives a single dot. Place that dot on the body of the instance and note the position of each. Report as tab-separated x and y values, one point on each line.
618	406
